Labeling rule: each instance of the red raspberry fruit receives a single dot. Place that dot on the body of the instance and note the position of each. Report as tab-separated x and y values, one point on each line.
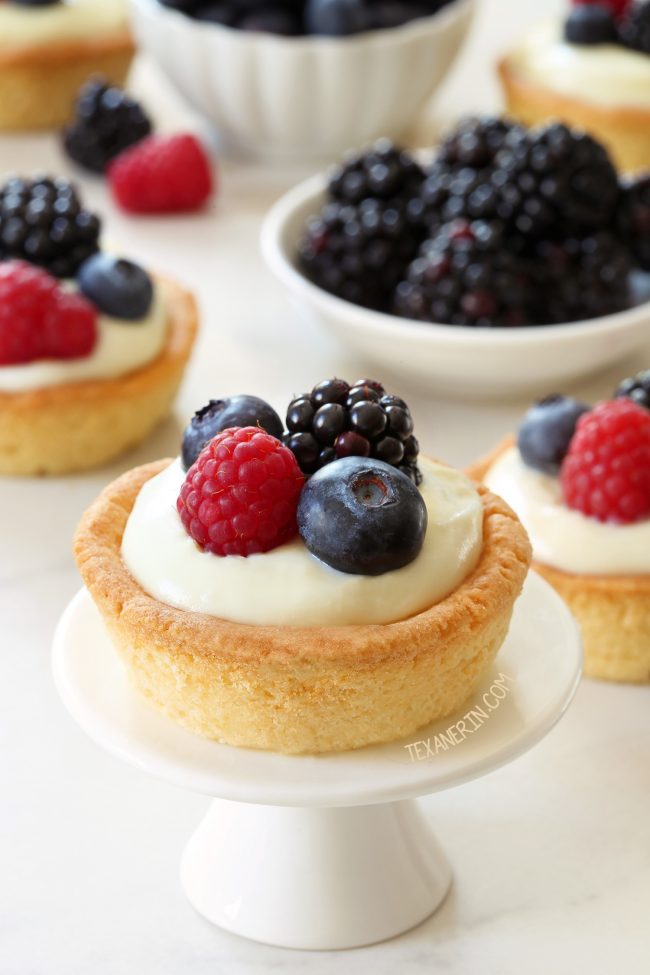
241	494
38	319
161	174
606	473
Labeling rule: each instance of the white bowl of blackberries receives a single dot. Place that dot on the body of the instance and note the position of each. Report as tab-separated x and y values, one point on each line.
303	77
511	258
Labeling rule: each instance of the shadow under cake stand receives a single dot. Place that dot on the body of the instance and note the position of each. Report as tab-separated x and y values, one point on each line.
327	851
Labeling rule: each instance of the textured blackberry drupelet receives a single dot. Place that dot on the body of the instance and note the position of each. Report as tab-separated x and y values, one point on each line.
475	141
106	122
465	275
337	420
636	388
634	30
583	277
383	172
554	179
359	253
42	221
634	218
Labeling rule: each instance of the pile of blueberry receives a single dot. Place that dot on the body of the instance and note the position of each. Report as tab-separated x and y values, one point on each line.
625	22
292	18
359	511
507	226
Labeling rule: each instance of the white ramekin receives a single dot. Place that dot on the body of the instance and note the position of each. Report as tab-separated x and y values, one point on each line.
449	359
303	96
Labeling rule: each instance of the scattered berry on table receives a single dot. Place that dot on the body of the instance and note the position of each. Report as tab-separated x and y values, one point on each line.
362	516
116	286
634	218
636	388
546	431
219	415
591	23
39	319
43	221
106	122
337	420
464	275
241	494
634	28
162	174
606	472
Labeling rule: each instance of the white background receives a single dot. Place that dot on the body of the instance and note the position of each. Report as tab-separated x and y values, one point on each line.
551	855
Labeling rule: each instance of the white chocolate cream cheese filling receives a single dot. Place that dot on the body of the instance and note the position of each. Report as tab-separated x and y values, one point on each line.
562	538
608	75
23	27
288	586
121	347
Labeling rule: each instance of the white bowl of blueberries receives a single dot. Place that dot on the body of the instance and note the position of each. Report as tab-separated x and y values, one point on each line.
303	78
511	262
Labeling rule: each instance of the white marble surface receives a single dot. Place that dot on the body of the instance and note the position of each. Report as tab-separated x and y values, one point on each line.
551	855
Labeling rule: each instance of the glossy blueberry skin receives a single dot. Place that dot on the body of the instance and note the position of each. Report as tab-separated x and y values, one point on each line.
362	516
590	24
220	414
335	18
546	431
117	287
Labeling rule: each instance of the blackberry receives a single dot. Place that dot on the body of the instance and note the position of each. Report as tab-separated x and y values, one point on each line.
636	388
465	275
554	179
337	420
106	122
583	277
634	218
634	29
475	141
383	172
42	221
358	253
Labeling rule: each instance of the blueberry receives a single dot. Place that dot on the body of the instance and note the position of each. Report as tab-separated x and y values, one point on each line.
336	18
362	516
590	24
221	12
271	20
219	414
394	13
546	431
117	287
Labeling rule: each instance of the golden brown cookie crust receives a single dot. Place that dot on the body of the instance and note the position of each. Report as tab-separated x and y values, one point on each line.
613	610
74	426
302	689
624	130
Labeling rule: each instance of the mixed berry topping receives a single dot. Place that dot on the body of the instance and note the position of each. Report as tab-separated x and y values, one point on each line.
43	221
625	22
106	122
334	18
162	174
338	420
506	227
220	414
116	286
241	494
362	516
39	319
606	472
546	431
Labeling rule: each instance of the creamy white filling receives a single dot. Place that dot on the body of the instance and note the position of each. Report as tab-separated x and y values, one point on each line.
562	538
288	586
604	74
121	347
24	27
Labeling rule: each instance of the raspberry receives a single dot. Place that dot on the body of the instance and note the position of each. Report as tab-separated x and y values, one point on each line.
606	473
161	174
241	494
38	319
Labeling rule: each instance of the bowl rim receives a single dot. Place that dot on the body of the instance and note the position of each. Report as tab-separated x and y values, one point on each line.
436	22
278	258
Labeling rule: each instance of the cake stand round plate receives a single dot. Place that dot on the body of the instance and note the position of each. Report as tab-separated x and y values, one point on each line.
326	851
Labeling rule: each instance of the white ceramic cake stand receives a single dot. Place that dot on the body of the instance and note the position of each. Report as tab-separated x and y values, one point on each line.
327	851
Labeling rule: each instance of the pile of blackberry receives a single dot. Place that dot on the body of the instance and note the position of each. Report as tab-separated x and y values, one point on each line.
516	227
43	221
106	122
337	419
